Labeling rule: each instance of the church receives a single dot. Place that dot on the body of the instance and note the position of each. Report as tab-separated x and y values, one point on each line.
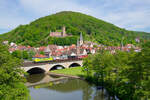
80	41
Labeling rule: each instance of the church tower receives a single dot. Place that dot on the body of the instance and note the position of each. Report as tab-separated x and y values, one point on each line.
78	47
81	39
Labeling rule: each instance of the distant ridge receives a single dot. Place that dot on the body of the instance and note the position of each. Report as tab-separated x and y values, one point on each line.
93	29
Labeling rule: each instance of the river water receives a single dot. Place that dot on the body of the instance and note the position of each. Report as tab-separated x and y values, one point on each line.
64	89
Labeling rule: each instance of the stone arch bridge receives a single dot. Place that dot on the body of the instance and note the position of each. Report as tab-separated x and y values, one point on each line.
46	67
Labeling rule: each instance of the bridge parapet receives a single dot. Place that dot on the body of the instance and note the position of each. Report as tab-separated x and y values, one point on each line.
29	64
46	67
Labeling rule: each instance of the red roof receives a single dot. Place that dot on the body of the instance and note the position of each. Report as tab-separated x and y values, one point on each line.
20	47
42	48
72	46
12	49
39	56
58	53
83	56
28	47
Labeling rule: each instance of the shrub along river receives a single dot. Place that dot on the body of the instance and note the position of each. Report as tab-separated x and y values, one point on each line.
46	87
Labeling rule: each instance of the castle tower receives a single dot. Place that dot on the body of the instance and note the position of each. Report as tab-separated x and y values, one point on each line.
81	39
63	31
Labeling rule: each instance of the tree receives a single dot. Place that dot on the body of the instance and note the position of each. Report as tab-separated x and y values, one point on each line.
11	82
17	54
42	52
25	54
125	74
139	73
31	54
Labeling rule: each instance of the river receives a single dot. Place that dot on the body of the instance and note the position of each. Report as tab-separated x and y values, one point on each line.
64	89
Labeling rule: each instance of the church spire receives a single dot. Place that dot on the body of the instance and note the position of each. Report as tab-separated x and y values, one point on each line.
81	39
77	42
78	47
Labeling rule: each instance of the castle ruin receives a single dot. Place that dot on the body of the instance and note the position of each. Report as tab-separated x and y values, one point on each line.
59	34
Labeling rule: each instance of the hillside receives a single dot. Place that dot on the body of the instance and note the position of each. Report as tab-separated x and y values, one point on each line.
36	33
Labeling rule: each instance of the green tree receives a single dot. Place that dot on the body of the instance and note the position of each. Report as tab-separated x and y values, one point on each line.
11	82
125	74
139	73
41	52
25	54
17	54
31	54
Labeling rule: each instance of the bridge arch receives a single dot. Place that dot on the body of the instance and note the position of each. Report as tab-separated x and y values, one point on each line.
55	67
74	65
36	70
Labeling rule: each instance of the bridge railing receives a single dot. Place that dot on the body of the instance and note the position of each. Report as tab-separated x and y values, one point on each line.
27	64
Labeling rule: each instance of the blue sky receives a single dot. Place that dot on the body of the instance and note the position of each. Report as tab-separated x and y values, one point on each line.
128	14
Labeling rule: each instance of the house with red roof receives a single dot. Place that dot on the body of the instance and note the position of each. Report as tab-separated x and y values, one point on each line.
39	56
42	48
11	50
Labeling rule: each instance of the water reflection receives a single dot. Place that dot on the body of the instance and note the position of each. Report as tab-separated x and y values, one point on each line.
101	95
69	89
87	91
35	78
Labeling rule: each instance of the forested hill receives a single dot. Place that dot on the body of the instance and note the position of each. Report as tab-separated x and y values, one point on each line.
36	33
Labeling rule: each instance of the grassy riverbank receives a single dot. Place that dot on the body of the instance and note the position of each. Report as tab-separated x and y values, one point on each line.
75	71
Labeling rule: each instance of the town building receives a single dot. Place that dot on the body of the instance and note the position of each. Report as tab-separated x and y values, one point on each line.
137	39
5	42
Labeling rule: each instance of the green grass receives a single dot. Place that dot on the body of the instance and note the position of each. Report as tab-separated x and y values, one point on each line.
75	71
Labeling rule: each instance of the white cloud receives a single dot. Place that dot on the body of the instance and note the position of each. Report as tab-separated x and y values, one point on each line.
130	14
10	16
44	7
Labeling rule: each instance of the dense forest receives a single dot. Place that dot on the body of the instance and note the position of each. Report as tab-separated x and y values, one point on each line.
37	32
